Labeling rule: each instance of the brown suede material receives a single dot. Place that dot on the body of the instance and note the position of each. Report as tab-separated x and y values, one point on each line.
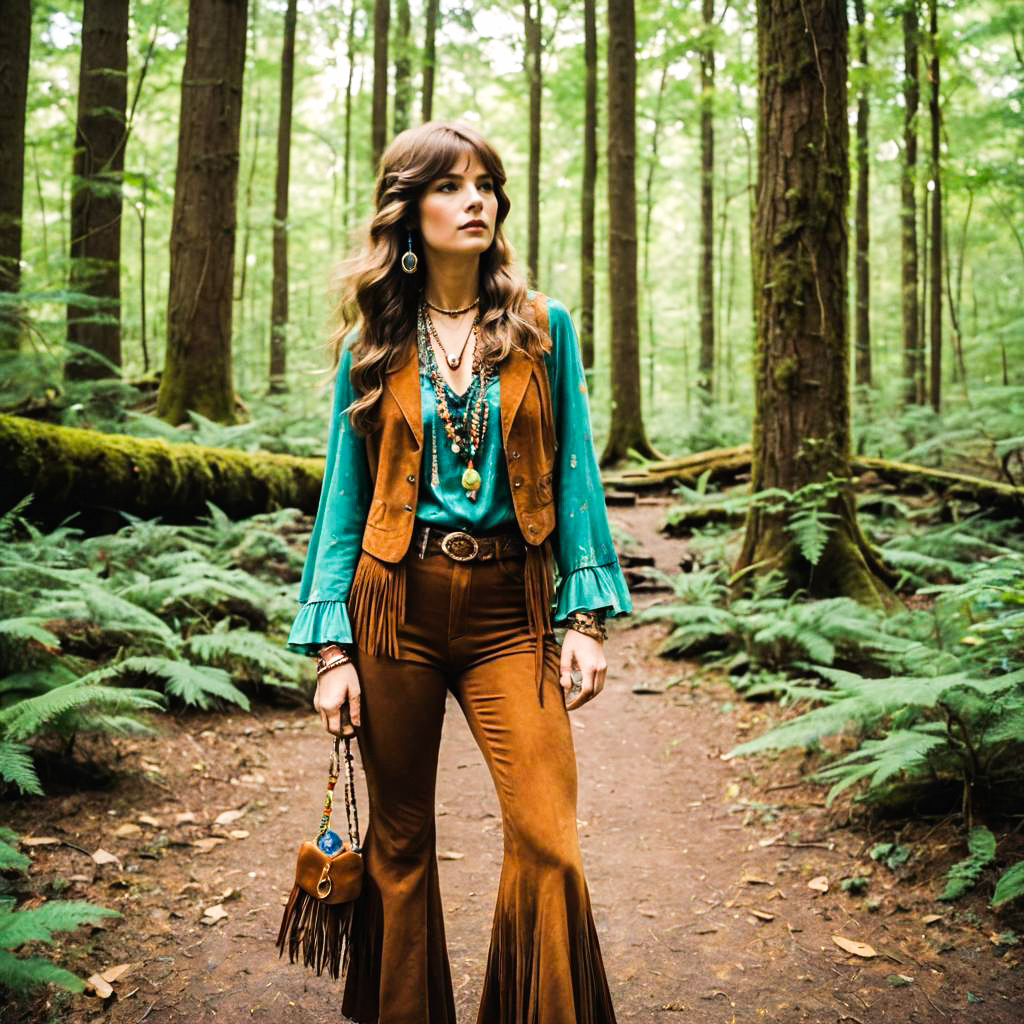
466	632
394	449
346	873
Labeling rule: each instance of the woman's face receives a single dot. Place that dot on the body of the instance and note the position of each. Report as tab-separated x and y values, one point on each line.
458	212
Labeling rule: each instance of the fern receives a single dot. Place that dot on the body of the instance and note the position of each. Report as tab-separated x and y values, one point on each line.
10	859
18	927
260	657
16	767
1010	885
964	875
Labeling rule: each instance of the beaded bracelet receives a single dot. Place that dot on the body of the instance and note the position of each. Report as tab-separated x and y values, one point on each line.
589	624
322	665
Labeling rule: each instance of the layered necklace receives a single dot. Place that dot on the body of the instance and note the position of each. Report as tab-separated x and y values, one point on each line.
466	436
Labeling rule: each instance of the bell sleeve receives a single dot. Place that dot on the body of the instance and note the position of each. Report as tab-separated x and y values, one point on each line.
336	540
590	577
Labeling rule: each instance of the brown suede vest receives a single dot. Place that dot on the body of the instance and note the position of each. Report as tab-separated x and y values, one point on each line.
395	448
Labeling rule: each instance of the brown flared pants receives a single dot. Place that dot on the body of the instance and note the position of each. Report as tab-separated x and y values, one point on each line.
466	631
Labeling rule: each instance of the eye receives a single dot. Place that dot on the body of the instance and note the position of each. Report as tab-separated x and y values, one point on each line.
487	186
447	186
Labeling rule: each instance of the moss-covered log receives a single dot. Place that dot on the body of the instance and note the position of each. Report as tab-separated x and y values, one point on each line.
726	465
70	470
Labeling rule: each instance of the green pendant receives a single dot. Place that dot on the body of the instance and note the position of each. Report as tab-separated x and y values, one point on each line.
471	480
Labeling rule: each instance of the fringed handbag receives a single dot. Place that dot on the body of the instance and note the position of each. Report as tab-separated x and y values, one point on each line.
317	921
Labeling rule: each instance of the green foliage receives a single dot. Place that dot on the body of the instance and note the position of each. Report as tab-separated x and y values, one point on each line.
18	927
892	855
92	630
1010	885
964	875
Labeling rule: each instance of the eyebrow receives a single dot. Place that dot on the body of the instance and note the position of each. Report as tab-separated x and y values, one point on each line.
460	176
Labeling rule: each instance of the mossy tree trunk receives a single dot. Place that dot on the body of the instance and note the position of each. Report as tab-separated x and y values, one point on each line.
802	422
279	286
587	204
197	368
429	60
908	184
403	67
94	325
706	257
379	116
15	45
534	80
935	267
627	426
862	300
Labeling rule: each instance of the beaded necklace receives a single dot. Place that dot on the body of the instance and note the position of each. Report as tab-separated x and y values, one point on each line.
466	436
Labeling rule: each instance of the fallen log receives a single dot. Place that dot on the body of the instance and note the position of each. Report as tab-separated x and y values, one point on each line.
727	465
70	470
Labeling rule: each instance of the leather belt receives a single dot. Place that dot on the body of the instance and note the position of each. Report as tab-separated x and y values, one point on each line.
466	547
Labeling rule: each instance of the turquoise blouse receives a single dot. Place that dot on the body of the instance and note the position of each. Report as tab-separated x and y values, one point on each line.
588	572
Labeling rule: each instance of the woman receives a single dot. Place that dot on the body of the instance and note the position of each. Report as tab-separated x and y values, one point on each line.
460	461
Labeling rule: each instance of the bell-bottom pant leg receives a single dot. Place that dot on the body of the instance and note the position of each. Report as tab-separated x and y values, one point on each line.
399	971
544	964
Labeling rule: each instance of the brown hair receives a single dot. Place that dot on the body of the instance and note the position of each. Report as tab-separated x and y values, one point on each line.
376	297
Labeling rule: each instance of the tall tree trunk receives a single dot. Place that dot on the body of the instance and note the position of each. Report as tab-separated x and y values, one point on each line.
920	383
652	167
379	125
346	189
96	198
627	428
589	183
936	174
801	383
862	320
429	61
706	259
532	66
403	67
908	195
15	45
279	287
197	368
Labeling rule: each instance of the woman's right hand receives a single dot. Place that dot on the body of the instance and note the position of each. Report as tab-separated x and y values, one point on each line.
335	688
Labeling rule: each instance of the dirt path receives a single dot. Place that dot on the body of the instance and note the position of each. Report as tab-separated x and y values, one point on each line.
698	870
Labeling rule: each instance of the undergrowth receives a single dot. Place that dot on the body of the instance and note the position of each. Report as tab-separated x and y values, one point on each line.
932	697
98	632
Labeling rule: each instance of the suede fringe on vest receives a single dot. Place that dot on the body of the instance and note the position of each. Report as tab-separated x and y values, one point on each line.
376	604
539	593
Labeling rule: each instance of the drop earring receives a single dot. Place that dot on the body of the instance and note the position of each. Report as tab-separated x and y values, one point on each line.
409	259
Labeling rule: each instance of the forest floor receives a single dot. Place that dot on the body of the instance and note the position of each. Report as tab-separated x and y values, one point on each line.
698	866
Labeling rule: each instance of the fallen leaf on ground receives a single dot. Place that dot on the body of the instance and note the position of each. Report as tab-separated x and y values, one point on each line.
227	817
931	918
101	856
96	985
238	833
646	911
206	845
450	855
181	819
772	840
147	766
127	829
111	974
819	884
40	841
854	947
763	915
148	819
752	879
899	980
211	915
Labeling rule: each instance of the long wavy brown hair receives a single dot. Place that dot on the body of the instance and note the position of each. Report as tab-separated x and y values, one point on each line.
374	295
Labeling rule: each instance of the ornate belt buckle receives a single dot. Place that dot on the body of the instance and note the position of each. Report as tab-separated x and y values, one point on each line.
460	546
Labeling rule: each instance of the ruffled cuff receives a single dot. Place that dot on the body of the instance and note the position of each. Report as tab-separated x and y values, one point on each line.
319	623
593	588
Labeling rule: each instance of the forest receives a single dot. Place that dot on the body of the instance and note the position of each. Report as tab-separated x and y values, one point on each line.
791	237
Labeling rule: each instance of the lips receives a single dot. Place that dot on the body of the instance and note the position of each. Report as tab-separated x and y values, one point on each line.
473	224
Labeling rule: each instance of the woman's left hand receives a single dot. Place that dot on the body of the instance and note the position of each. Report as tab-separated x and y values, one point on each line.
588	654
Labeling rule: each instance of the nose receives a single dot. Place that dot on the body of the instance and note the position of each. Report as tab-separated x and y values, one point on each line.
474	200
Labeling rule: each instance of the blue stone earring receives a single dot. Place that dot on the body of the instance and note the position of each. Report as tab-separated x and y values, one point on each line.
409	260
